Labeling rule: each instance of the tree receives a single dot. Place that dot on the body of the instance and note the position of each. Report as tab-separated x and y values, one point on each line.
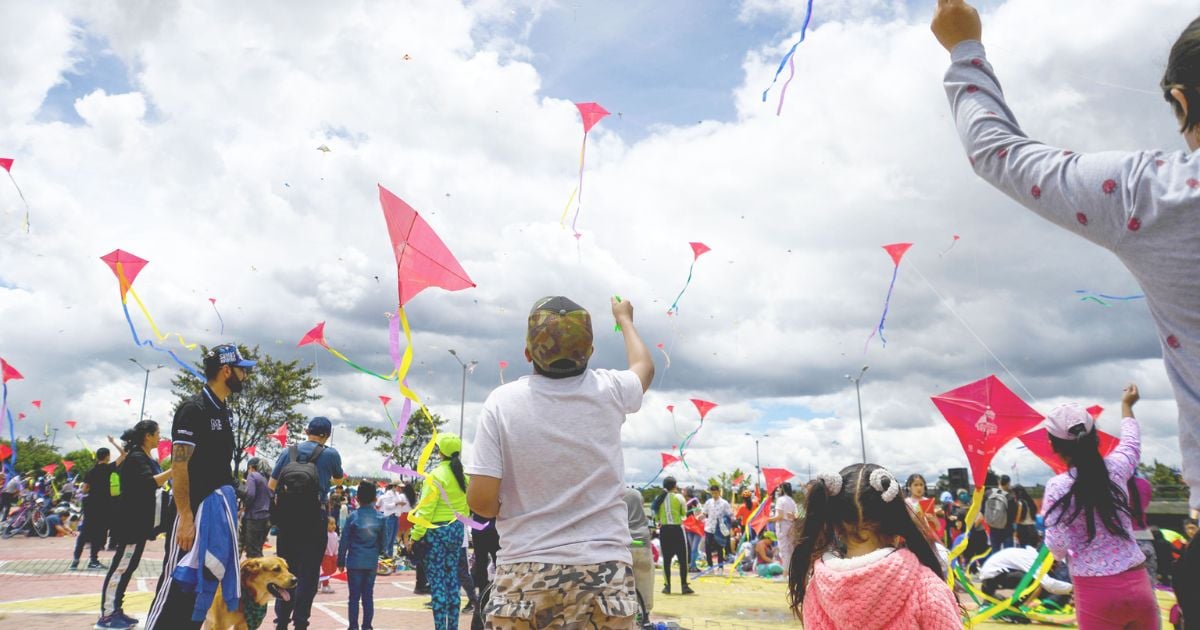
730	489
269	398
416	435
33	453
1160	474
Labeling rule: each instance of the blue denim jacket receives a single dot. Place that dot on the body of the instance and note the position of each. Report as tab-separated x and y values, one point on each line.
362	539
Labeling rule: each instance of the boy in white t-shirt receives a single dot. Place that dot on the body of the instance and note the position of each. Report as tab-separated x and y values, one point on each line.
547	464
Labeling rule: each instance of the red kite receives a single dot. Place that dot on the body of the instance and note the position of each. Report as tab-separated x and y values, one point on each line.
128	400
1095	411
590	113
36	403
5	451
776	476
316	335
251	450
281	434
70	423
385	400
671	408
896	251
668	459
985	415
68	464
164	449
10	373
1038	443
698	249
220	319
50	468
20	416
422	259
703	406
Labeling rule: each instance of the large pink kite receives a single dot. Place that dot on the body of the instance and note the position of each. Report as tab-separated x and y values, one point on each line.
422	259
985	415
131	266
590	114
896	251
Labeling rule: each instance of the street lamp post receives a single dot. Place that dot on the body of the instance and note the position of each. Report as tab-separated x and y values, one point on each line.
145	385
757	461
862	436
462	408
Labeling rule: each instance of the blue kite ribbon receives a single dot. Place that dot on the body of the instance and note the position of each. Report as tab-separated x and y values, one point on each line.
148	343
675	305
886	303
783	62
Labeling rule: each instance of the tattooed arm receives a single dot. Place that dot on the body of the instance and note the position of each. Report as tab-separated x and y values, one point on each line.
185	533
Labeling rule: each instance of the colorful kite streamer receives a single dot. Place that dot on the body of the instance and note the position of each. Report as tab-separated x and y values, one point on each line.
896	251
126	267
787	60
698	249
10	373
590	113
702	406
6	164
1099	298
213	301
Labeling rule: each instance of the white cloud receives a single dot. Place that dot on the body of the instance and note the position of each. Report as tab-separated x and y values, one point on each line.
209	170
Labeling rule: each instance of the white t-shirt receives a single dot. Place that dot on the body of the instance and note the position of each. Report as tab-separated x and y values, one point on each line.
388	503
1019	559
402	504
714	510
787	507
555	445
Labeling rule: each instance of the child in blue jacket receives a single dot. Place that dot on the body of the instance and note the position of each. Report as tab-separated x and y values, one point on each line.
358	554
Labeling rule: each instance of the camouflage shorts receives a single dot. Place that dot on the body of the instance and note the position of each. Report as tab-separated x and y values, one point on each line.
532	595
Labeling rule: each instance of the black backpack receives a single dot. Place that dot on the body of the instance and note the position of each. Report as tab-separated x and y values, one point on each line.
298	489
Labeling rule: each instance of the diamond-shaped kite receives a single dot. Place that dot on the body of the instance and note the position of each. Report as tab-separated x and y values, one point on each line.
422	259
985	415
896	251
131	266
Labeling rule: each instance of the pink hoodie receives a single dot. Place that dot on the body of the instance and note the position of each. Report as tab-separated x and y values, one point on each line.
887	588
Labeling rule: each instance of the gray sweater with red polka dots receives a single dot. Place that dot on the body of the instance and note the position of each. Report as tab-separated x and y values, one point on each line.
1144	206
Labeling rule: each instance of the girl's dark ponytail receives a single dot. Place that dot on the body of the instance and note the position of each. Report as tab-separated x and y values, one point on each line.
1135	504
456	467
813	536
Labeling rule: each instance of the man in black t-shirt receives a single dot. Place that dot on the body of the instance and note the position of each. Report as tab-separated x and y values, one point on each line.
97	510
201	462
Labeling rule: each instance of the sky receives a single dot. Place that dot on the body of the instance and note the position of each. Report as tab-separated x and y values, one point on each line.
189	137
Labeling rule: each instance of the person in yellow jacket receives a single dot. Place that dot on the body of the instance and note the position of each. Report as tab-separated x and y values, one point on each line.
436	532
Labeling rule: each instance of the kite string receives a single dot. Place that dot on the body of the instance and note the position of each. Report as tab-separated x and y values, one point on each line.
219	318
974	334
22	195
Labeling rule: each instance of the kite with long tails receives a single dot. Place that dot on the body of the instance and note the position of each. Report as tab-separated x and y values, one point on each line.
896	251
590	113
126	267
422	261
6	164
698	250
789	60
985	415
213	301
9	373
702	406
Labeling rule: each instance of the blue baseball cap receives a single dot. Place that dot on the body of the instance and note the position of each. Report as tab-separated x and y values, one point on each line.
319	425
227	354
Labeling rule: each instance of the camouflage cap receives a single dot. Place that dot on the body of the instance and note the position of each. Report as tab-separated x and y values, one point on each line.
560	335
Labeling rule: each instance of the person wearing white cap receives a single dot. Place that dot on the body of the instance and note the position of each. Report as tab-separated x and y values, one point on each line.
1088	519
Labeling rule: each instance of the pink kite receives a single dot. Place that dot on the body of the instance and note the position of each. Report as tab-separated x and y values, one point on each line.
1095	411
131	266
10	373
947	250
703	406
422	259
35	403
20	416
220	319
128	400
251	450
985	415
671	408
5	451
70	423
50	468
590	113
1038	443
281	434
68	464
668	459
698	250
385	400
775	476
503	364
896	251
316	335
164	449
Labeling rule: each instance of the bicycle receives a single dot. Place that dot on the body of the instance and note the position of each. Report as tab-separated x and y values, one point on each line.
29	515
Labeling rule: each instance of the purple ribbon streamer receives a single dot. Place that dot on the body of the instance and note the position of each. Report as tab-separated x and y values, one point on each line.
390	466
405	415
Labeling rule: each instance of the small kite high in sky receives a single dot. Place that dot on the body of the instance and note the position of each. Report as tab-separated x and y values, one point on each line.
6	164
126	267
698	250
590	114
896	251
213	301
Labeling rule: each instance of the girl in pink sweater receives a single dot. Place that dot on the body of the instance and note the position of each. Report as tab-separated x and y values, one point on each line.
862	562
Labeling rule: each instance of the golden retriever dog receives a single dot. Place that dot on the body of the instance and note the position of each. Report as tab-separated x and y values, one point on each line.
263	579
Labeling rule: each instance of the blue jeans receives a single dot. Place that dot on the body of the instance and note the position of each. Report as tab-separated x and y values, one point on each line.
1000	538
391	526
693	542
361	583
441	565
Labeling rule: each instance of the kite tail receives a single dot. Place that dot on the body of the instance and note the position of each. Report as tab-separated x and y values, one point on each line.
501	376
783	91
127	288
150	344
22	196
675	305
883	319
1094	299
972	514
579	198
1122	298
1030	582
219	318
654	478
562	221
788	56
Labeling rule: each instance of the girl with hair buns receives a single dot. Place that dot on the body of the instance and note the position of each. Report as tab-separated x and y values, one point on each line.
861	561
